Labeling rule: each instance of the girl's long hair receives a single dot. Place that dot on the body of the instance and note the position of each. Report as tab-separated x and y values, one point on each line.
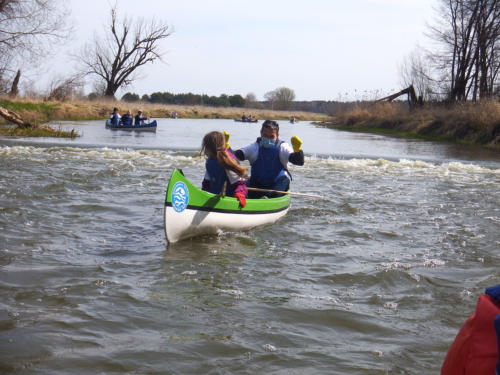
214	145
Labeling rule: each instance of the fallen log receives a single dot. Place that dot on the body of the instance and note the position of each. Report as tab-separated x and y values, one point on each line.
413	101
13	117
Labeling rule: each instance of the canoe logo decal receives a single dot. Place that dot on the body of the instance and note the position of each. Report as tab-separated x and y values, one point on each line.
180	196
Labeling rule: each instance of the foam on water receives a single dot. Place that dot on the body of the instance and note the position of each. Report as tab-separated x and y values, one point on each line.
104	152
162	159
388	166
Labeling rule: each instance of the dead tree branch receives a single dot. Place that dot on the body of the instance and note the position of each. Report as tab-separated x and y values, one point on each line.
127	46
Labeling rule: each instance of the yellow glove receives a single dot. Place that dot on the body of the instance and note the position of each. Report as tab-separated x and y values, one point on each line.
226	137
296	143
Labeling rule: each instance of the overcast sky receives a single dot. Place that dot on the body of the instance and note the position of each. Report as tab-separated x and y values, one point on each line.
322	49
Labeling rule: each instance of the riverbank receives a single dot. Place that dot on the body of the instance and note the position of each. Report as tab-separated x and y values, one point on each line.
475	123
40	112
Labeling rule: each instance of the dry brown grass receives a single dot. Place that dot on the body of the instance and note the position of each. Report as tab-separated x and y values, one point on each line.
366	114
43	111
470	122
482	115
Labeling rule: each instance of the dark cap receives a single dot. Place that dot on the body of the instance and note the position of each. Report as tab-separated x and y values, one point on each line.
270	124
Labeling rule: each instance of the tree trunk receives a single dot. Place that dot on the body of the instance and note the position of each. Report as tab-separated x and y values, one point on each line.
110	90
14	89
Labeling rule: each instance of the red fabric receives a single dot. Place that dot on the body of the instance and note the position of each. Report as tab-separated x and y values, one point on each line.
241	198
474	351
240	187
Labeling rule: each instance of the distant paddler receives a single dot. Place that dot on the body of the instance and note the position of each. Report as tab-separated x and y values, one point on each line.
269	157
115	117
140	118
127	119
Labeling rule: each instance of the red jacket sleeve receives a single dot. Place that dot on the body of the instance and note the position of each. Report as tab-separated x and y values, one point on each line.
474	350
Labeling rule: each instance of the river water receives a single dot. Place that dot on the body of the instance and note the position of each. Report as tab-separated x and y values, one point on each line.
376	278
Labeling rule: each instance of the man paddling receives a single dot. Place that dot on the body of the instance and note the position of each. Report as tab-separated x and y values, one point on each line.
269	157
139	118
127	119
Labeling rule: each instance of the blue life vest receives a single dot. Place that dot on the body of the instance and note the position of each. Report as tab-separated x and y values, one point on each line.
115	119
267	168
218	176
127	120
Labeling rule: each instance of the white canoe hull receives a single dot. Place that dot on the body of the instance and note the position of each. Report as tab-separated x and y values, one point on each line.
192	222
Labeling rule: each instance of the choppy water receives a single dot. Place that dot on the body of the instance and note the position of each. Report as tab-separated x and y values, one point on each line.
375	279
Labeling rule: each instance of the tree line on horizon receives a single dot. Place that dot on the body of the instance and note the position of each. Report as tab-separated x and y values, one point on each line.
237	101
189	98
281	98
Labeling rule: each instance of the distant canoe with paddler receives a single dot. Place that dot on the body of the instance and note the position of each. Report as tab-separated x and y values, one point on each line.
247	120
190	211
149	127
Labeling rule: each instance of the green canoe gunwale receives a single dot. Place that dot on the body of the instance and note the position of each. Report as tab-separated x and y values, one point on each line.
204	201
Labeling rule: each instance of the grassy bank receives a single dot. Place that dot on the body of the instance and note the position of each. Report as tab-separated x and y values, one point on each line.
42	112
477	123
42	131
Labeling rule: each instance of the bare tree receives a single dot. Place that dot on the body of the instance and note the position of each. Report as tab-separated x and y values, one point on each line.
30	26
414	71
280	98
469	33
115	58
487	63
62	89
250	100
28	30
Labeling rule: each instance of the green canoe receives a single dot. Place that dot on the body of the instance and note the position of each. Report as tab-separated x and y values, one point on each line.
190	211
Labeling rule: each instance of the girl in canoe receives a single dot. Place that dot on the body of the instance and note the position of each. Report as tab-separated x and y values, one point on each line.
222	166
